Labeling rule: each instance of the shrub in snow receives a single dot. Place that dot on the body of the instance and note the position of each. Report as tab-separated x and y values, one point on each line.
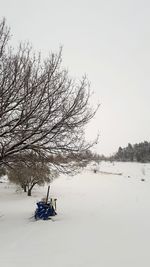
34	170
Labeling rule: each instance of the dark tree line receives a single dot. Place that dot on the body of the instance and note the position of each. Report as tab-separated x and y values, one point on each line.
137	152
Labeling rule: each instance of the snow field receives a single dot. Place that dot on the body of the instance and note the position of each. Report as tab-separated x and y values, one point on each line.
103	221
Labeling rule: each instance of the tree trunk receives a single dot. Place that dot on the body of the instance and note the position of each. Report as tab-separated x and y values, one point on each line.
29	192
30	189
25	188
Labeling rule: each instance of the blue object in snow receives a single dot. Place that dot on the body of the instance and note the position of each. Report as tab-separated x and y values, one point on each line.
44	211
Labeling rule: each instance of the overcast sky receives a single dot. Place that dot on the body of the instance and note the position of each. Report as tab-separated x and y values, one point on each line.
109	40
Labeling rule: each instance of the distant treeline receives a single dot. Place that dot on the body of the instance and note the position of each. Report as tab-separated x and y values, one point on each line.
137	152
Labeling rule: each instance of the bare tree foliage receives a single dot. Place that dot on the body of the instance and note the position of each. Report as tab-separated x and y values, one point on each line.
4	36
41	108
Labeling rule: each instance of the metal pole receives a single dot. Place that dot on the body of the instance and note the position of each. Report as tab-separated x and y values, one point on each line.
47	194
55	199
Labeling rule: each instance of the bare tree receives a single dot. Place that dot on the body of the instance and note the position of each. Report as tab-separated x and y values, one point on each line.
29	171
41	108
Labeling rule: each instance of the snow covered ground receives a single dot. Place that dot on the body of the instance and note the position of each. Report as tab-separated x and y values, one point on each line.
103	221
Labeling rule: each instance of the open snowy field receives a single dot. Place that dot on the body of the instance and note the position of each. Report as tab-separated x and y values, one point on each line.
103	221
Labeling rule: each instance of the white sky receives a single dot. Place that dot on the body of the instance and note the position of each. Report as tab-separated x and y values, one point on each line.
109	40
